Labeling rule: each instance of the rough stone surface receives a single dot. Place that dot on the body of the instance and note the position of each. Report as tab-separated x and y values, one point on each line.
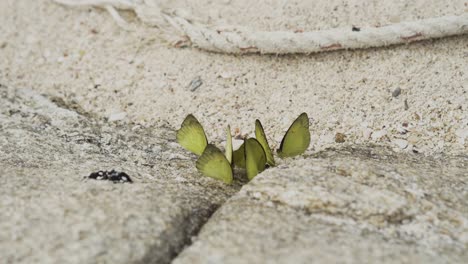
354	205
50	214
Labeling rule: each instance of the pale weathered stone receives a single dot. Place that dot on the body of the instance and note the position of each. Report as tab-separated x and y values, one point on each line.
354	205
50	214
401	143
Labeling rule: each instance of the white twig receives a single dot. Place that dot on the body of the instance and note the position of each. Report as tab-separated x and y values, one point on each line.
242	40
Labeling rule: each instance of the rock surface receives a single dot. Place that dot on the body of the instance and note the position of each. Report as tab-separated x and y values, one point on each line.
50	214
354	205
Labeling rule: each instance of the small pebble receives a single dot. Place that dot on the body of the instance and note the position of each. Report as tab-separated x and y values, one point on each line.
401	143
413	139
396	92
195	84
402	129
226	75
257	195
340	137
117	116
462	135
378	134
366	133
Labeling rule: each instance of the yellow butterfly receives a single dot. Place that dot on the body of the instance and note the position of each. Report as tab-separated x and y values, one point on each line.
255	158
228	150
213	163
253	154
191	135
261	137
238	157
297	138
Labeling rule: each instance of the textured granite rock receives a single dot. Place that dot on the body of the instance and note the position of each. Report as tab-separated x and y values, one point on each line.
353	205
50	214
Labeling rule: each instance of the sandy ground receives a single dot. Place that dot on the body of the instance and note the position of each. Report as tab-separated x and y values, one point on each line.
82	56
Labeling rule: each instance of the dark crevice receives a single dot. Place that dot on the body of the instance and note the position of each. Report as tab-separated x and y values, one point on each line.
70	105
194	222
189	227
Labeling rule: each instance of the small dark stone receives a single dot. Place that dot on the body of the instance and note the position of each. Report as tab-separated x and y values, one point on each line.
113	176
195	84
356	28
396	92
340	137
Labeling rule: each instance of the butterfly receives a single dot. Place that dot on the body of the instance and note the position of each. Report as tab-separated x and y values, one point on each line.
261	137
239	154
212	161
191	135
297	138
228	149
238	157
254	153
255	157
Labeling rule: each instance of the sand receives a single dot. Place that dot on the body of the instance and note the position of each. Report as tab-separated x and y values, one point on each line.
81	56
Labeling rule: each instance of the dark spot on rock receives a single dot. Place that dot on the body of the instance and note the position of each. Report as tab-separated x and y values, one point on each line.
396	92
195	84
356	29
113	176
340	137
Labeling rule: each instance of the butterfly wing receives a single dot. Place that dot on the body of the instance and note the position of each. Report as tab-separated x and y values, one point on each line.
228	150
238	157
255	158
191	135
261	137
297	138
213	163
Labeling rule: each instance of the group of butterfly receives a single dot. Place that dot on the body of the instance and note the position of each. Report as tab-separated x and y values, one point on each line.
254	155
